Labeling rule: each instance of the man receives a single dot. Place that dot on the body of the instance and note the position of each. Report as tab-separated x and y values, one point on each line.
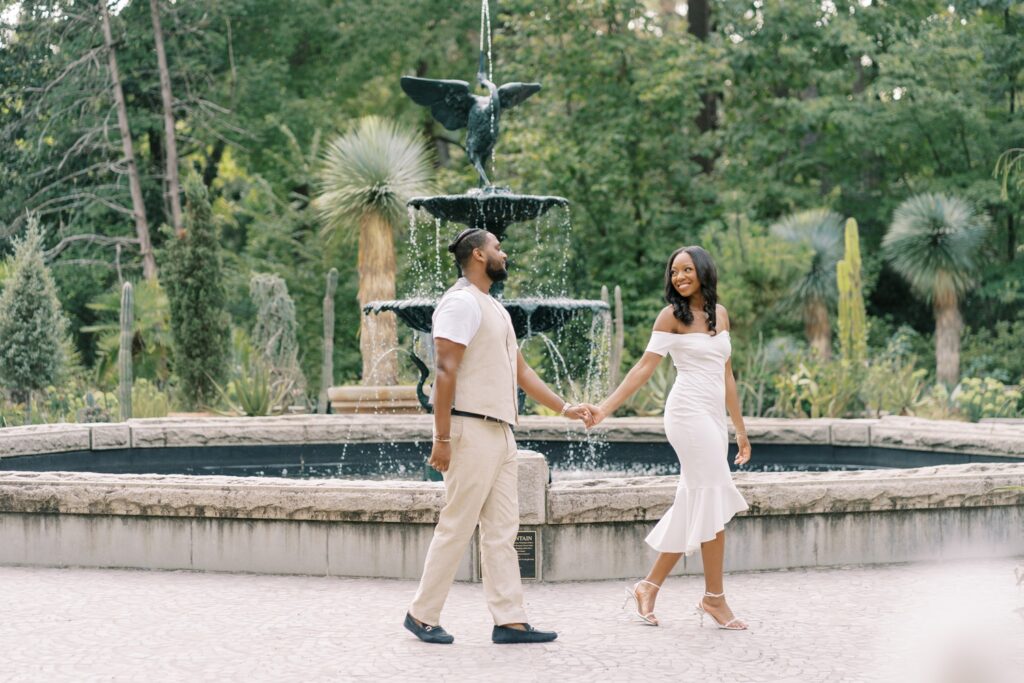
475	397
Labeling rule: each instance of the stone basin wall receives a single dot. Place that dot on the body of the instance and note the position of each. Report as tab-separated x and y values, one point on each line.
587	528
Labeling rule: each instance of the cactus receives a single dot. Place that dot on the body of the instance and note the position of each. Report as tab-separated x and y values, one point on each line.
852	316
327	368
124	354
618	338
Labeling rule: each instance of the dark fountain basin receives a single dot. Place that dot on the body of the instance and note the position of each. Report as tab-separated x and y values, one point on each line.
492	209
406	460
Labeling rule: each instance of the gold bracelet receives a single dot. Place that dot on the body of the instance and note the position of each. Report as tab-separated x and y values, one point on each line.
565	408
443	439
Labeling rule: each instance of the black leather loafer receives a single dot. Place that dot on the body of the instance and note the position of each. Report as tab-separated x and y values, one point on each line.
428	634
504	635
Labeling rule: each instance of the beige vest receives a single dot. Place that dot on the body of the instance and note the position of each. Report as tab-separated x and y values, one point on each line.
486	381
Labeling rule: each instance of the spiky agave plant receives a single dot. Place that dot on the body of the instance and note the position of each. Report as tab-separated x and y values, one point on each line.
933	243
367	176
821	231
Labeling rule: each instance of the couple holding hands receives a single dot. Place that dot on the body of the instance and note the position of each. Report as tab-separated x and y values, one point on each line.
479	370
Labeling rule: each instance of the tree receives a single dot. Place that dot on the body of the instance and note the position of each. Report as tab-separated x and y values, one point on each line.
32	325
934	243
821	231
134	184
195	289
170	137
368	176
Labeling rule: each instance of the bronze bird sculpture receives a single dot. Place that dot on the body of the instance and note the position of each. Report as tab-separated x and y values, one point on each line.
454	106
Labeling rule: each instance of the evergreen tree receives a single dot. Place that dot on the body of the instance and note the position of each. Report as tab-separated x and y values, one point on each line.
32	324
195	290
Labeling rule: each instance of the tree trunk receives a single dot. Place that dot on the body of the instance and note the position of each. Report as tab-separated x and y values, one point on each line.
948	325
698	19
134	185
378	335
171	158
818	329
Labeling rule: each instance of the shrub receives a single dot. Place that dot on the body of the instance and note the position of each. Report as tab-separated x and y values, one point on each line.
818	388
977	398
995	352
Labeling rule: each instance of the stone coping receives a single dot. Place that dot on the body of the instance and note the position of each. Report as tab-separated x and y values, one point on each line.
568	502
906	433
336	500
793	493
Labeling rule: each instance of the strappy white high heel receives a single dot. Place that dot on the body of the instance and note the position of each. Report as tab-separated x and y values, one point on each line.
734	624
648	618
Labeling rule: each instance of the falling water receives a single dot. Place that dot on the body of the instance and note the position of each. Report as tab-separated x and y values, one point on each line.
485	36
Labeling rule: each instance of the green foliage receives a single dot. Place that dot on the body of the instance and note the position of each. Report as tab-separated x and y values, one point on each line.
148	400
152	343
274	334
376	167
853	332
893	386
253	389
32	324
995	352
71	402
755	272
817	388
755	378
977	398
851	107
195	291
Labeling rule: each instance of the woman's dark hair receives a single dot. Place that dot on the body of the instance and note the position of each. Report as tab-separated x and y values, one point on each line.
708	276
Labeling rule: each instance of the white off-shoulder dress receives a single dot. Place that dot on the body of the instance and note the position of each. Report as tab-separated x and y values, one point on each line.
695	424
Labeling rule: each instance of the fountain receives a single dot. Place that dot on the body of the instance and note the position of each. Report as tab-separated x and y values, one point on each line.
487	207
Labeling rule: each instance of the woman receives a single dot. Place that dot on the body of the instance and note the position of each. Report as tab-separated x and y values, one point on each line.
694	330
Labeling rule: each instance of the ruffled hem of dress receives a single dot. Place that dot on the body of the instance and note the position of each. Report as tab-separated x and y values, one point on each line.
696	517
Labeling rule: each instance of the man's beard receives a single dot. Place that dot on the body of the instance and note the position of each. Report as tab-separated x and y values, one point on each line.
497	271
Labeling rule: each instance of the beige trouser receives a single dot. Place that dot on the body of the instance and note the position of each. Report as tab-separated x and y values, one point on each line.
480	487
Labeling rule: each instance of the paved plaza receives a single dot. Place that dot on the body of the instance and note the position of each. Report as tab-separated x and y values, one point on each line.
956	622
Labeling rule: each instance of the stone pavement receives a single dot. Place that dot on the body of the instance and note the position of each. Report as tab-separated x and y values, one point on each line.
958	621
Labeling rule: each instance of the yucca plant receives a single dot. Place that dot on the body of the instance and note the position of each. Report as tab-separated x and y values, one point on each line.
934	243
821	231
367	177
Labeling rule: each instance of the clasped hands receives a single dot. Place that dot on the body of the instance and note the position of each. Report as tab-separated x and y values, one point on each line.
587	412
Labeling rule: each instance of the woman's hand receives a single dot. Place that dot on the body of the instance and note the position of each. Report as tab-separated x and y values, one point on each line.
598	414
743	444
580	411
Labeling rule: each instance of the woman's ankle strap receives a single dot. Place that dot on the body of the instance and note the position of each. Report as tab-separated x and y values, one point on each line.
709	594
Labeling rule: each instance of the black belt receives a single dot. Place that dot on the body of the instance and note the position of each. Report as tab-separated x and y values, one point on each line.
478	416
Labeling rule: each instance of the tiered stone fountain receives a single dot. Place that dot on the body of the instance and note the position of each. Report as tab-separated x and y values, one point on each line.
488	207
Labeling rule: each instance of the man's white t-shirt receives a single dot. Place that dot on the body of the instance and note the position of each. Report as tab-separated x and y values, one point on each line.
457	317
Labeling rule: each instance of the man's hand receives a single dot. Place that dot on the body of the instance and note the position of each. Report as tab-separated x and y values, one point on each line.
440	456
